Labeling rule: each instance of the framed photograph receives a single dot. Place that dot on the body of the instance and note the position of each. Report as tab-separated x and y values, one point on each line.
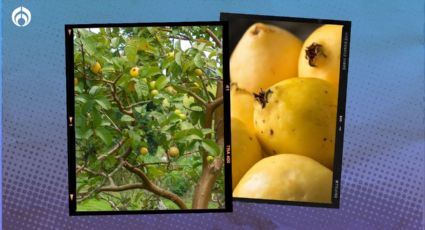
146	124
288	90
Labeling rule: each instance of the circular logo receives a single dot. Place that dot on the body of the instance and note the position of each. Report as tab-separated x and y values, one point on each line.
21	16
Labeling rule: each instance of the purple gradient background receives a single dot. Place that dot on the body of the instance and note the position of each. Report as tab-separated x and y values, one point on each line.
383	164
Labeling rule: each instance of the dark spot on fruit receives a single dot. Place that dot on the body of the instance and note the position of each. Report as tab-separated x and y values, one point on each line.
293	130
250	138
262	131
326	92
325	139
271	132
263	97
274	151
312	52
264	121
276	101
278	117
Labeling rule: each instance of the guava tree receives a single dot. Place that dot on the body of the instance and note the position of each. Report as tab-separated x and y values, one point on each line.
149	118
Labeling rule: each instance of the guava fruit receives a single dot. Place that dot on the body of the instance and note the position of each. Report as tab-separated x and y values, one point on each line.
287	177
298	116
265	55
246	150
321	53
242	105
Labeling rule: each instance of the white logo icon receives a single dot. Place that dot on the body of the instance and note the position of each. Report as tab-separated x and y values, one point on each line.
21	16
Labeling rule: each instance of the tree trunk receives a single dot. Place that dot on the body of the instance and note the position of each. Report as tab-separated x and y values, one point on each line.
210	171
205	185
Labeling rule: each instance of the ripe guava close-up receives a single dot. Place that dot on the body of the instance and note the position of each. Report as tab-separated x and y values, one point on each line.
298	115
286	177
283	108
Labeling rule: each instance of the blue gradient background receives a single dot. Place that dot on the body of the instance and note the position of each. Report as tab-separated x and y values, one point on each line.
383	165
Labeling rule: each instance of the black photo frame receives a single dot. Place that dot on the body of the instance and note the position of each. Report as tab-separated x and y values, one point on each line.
239	23
69	48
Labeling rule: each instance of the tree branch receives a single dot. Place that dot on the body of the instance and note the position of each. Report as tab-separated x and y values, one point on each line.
119	104
216	103
211	107
154	188
204	87
95	79
152	163
216	40
203	189
84	61
218	78
89	194
113	205
194	95
82	168
125	155
137	103
112	122
116	169
190	109
180	37
122	187
112	150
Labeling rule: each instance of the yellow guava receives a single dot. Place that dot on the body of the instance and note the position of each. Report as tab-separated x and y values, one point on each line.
321	53
154	92
96	68
298	116
143	151
242	105
182	116
170	89
246	150
152	84
265	55
287	177
210	158
198	72
134	72
173	151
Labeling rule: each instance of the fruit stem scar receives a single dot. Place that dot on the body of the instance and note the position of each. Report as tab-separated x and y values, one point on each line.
263	97
312	52
255	31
